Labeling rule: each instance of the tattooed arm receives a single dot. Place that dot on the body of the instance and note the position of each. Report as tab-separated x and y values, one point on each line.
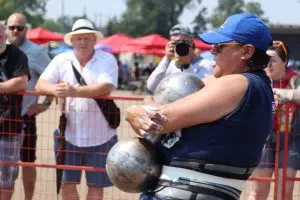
289	94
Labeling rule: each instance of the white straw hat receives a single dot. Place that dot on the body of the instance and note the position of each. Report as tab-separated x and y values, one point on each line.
82	26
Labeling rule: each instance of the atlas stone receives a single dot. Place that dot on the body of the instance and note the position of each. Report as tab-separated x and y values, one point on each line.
133	165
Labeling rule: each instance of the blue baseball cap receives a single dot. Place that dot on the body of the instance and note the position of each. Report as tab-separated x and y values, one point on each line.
243	28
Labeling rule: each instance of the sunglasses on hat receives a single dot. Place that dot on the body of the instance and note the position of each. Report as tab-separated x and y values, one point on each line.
279	43
18	28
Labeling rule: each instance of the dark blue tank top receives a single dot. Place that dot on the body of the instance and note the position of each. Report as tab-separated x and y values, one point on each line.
235	140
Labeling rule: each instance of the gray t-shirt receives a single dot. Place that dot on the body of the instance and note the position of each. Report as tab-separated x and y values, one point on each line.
38	59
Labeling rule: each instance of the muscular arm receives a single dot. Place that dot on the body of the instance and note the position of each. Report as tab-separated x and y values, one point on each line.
16	84
211	103
217	99
289	94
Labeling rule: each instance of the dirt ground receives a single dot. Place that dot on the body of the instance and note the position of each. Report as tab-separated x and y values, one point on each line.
46	177
46	181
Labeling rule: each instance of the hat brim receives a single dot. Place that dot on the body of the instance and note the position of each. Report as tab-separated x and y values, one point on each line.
68	36
214	38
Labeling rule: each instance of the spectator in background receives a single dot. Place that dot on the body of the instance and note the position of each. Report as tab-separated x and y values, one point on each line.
123	75
120	74
88	135
286	83
14	75
126	75
188	61
136	71
149	69
38	59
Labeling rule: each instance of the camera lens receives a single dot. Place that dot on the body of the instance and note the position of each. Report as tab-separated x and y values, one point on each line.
182	48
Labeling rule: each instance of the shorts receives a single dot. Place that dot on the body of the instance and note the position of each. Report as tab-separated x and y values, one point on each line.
87	156
269	151
28	150
9	151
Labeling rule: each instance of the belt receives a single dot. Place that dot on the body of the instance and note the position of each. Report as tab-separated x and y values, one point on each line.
174	174
226	171
184	184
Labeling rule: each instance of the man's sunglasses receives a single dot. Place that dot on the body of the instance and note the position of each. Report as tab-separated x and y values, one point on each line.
18	28
278	43
217	48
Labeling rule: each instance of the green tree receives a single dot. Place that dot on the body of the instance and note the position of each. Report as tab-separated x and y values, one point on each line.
66	22
32	9
226	8
200	22
151	16
255	8
112	26
52	25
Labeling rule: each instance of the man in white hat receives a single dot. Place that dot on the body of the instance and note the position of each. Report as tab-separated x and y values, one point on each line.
88	135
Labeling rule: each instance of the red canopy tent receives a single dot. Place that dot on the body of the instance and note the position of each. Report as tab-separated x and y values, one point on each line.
144	50
115	41
40	35
152	44
149	41
201	45
155	44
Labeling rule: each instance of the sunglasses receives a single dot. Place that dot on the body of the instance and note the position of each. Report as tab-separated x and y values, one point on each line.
217	48
279	43
18	28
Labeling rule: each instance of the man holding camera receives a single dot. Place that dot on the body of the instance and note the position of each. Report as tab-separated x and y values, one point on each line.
181	46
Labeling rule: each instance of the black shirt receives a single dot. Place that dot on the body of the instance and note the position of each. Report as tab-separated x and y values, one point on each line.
13	63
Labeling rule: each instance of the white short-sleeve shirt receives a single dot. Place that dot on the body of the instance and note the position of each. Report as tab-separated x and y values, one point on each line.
86	124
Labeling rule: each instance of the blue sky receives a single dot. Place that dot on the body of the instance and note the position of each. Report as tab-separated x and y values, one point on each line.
278	11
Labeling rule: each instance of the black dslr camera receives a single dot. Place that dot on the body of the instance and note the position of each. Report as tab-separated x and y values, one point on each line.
182	47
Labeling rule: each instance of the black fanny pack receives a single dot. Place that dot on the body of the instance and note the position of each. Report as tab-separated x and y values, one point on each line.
225	171
190	189
193	190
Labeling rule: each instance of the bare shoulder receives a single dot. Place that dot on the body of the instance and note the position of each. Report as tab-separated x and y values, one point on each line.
234	77
228	89
208	79
228	80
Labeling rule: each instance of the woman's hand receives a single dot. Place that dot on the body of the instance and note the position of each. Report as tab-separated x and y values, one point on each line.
145	119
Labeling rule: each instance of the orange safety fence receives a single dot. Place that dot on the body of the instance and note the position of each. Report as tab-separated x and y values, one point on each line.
47	123
283	179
